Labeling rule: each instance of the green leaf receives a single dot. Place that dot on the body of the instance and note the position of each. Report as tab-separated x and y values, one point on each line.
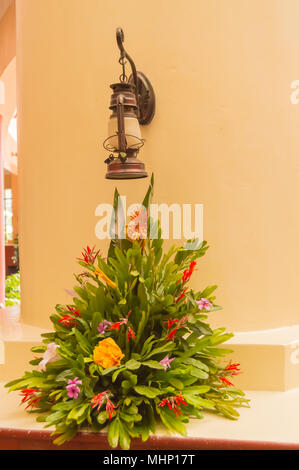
113	433
134	273
116	373
176	383
165	348
109	370
153	364
197	389
149	392
228	411
77	412
196	363
66	436
102	417
132	364
124	437
83	342
172	422
148	197
143	321
39	349
200	374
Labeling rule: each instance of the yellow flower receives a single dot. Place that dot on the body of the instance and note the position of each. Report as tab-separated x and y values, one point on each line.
105	278
107	353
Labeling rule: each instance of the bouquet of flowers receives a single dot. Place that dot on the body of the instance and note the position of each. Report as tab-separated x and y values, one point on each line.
134	348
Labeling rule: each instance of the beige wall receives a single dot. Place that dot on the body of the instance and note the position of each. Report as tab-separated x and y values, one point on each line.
225	135
7	34
7	110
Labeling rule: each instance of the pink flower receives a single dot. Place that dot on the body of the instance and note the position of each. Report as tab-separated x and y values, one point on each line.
72	388
75	381
103	326
166	361
50	355
204	303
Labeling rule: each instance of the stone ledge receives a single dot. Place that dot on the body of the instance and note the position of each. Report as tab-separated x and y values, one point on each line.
269	358
16	341
270	423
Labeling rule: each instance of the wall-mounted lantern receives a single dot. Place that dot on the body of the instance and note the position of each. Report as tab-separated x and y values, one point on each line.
132	103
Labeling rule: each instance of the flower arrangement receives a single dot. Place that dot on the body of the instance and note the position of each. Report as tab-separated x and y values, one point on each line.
134	348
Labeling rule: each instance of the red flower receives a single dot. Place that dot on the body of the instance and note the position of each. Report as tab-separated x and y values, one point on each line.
170	322
99	399
116	325
188	272
179	399
131	334
29	394
171	334
164	402
88	255
233	367
176	410
182	321
74	311
67	320
225	381
181	296
173	403
110	408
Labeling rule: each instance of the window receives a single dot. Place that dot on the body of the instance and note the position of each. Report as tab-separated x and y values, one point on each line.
8	214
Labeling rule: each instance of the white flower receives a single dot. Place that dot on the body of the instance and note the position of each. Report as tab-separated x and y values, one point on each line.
50	355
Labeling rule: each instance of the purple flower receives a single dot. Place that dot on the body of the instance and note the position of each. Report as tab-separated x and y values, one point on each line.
166	361
72	388
102	326
204	303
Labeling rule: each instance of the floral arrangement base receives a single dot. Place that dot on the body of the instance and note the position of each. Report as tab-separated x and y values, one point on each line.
134	348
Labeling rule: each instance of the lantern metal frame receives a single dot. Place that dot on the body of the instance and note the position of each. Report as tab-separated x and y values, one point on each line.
132	97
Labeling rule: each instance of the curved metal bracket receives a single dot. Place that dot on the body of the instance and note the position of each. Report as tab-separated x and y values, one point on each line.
145	96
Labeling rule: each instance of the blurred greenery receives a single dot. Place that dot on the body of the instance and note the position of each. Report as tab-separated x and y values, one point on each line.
12	290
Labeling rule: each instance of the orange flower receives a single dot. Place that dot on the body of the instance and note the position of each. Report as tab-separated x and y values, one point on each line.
107	353
99	273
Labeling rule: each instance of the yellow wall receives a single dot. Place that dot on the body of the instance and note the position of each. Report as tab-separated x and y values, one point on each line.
225	135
